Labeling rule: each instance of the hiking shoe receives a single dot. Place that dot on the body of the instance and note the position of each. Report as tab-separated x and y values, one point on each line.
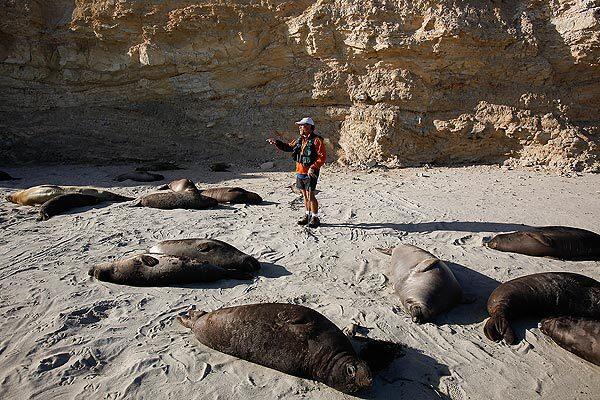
314	222
303	221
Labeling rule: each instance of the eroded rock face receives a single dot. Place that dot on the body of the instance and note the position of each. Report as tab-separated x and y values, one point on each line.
403	82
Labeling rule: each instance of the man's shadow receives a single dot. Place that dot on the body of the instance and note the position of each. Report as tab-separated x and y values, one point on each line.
465	226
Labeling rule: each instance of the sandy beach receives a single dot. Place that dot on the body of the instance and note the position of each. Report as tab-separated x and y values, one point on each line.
66	335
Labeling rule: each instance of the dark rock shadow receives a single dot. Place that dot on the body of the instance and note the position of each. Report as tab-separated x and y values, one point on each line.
437	226
270	270
476	291
409	374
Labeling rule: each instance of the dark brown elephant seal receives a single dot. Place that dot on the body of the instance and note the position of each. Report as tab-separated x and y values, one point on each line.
140	176
580	336
41	194
546	294
161	270
550	241
424	283
173	200
212	251
180	185
5	176
286	337
64	203
234	195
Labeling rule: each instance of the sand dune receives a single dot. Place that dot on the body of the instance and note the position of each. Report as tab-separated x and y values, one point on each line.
64	334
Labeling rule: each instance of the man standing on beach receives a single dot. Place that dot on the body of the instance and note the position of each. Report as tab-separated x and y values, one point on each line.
308	151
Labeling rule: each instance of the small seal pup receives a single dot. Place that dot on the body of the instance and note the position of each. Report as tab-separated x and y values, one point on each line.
424	283
41	194
289	338
180	185
550	241
65	202
547	294
173	200
208	250
580	336
234	195
161	270
140	176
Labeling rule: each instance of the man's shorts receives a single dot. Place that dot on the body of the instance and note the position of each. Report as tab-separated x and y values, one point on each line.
303	182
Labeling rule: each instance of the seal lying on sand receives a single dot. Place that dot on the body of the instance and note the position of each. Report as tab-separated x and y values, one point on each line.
41	194
546	294
65	202
140	176
172	200
551	241
160	270
4	176
289	338
424	283
180	185
233	195
212	251
580	336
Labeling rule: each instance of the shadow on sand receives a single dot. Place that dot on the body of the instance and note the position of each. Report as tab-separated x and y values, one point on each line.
399	371
437	226
476	291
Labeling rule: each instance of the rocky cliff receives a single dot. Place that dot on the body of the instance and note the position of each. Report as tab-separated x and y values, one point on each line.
398	82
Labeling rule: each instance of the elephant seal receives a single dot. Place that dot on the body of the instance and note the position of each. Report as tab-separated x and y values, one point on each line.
550	241
234	195
180	185
580	336
159	166
424	283
4	176
289	338
140	176
212	251
174	200
161	270
65	202
546	294
41	194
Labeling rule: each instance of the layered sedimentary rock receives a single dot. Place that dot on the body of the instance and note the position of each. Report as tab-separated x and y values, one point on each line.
397	82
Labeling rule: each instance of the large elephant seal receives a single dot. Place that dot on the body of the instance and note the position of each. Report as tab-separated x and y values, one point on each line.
180	185
140	176
5	176
212	251
580	336
65	202
234	195
550	241
41	194
286	337
424	283
546	294
173	200
161	270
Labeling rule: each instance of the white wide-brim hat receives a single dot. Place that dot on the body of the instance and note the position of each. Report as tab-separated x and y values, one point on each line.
306	121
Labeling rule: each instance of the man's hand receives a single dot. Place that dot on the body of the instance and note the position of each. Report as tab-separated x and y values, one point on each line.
311	172
271	141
